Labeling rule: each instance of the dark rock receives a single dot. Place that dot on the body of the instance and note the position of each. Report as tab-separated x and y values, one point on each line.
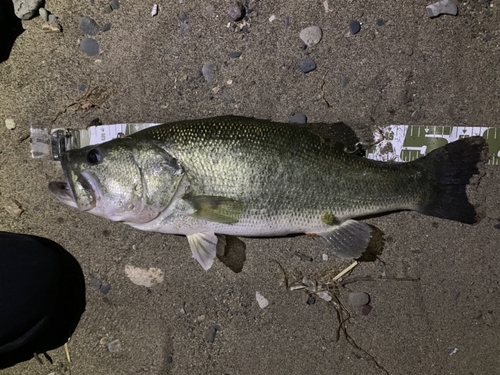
210	334
88	25
354	27
234	55
184	17
89	46
344	81
311	301
115	4
208	71
106	27
380	22
307	65
298	118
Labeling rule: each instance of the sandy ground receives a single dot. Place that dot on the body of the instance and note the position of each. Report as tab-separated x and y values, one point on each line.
411	70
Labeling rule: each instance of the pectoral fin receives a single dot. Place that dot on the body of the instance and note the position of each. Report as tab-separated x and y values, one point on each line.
348	240
206	246
216	209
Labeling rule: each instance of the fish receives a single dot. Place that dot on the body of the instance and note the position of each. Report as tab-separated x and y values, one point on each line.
235	176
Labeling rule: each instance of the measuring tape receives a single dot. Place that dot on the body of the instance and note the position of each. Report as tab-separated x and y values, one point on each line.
397	143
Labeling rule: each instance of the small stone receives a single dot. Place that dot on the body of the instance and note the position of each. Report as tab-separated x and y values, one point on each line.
234	55
236	12
115	4
170	359
380	22
272	18
311	301
299	118
82	88
324	295
107	9
89	46
44	15
183	29
354	27
442	7
10	123
208	71
451	350
304	257
105	289
144	277
95	284
497	226
184	17
366	309
106	27
227	97
14	208
27	9
52	18
344	81
311	35
307	65
210	334
261	300
88	25
359	299
115	346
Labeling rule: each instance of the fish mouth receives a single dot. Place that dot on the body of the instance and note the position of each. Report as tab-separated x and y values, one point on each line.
63	192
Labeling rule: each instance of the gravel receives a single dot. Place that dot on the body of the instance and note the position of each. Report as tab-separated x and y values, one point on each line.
442	7
359	299
26	9
89	46
236	12
311	35
208	71
307	65
354	27
234	55
210	334
88	25
106	27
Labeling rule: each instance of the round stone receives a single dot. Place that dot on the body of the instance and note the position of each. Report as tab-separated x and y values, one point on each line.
354	27
89	46
311	35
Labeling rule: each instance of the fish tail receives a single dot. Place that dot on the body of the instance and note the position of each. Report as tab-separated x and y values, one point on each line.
451	167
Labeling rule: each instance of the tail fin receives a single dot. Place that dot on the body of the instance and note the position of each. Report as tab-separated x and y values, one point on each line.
453	166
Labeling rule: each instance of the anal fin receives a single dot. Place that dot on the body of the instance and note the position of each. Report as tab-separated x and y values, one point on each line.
205	247
348	240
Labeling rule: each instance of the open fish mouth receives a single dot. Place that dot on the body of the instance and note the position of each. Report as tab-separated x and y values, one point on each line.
63	192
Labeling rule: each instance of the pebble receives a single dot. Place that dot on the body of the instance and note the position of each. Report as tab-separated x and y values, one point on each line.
359	299
354	27
311	35
106	27
10	123
144	277
298	118
380	22
442	7
52	18
324	295
344	81
88	25
44	14
304	257
261	300
115	4
307	65
235	12
210	334
227	97
89	46
27	9
154	10
14	208
311	301
105	289
234	55
183	17
208	71
115	346
95	284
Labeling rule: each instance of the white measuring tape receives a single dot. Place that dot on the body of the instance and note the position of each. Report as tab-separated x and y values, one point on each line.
399	143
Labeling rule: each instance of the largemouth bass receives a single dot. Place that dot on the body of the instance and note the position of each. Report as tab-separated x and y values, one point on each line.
247	177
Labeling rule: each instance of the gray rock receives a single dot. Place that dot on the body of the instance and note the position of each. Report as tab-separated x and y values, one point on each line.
88	25
115	4
359	299
234	55
301	120
311	35
115	346
298	118
380	22
105	289
236	12
89	46
106	27
307	65
442	7
95	284
210	334
184	17
184	27
52	18
208	71
311	301
344	81
27	9
44	15
354	27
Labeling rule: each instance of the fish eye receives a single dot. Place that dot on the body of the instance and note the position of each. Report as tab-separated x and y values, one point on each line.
94	156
